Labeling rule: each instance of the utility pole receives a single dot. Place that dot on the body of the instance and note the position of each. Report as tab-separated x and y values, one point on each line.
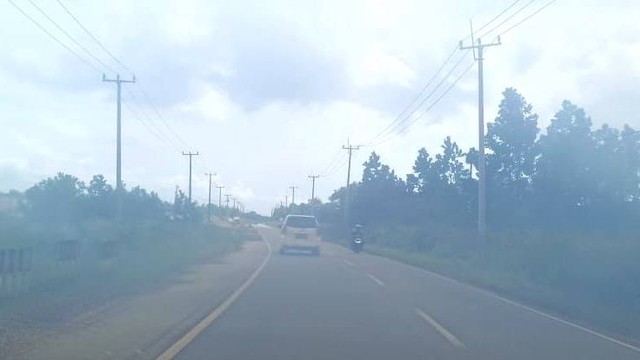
227	200
220	196
190	155
286	200
482	175
119	187
293	194
210	175
349	148
220	209
234	203
313	186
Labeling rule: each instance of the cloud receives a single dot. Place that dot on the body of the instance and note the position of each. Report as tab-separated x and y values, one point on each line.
269	91
273	64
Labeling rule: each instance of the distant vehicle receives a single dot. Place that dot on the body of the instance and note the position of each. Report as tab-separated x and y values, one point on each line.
300	232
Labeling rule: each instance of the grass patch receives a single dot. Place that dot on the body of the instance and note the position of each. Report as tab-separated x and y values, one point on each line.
589	278
579	307
145	255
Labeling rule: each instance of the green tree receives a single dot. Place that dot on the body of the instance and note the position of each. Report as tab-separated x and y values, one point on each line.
140	204
100	199
449	166
511	139
512	152
378	196
630	152
564	181
56	199
424	175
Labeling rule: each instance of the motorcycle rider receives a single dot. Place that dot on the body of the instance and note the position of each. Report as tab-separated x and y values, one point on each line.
356	233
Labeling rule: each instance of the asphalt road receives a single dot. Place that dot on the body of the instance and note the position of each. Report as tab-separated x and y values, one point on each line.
356	306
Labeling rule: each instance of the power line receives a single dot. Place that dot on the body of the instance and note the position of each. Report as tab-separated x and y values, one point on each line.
157	129
402	114
390	134
66	9
407	126
125	67
493	19
420	93
203	163
107	67
526	18
157	111
151	130
507	19
466	70
87	62
334	159
338	167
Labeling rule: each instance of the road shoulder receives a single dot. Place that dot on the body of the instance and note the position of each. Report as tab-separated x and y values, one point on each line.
142	326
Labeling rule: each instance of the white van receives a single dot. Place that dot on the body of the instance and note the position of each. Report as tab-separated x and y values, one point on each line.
300	232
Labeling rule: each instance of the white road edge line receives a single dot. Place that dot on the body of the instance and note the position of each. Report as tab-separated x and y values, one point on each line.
185	340
537	312
439	328
348	262
375	279
565	322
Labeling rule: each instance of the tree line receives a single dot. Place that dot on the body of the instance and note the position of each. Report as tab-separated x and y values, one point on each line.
64	198
572	176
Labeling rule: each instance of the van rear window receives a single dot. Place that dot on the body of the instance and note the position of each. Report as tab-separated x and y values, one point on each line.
301	222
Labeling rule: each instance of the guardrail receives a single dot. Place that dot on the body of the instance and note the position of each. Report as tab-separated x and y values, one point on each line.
64	260
15	265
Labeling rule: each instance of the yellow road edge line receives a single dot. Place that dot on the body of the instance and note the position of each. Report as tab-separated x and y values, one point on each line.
375	279
441	329
185	340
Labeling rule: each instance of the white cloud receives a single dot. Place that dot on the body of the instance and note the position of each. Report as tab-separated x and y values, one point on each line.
379	68
268	92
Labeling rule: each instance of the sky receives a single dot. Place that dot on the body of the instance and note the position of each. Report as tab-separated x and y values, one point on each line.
268	92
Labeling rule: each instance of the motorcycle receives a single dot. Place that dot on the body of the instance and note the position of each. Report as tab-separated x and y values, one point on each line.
356	244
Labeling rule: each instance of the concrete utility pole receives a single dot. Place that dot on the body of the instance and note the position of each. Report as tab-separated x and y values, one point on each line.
293	194
210	175
119	187
190	155
349	148
482	175
313	186
227	200
234	203
220	196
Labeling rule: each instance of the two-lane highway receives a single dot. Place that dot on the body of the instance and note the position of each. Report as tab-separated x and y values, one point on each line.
346	306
